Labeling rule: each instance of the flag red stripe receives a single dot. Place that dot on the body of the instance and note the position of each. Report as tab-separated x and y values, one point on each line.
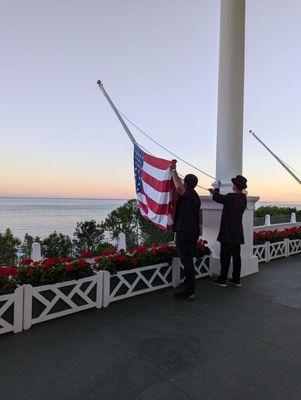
156	162
159	209
163	228
156	208
143	206
159	186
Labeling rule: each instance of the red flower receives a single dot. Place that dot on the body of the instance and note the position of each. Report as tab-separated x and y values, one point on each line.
156	251
134	261
4	271
26	261
69	267
82	263
49	261
99	260
108	252
46	267
122	251
67	259
86	254
121	259
36	263
30	272
13	270
140	249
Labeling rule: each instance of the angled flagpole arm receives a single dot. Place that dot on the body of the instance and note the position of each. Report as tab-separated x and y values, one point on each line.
277	158
125	127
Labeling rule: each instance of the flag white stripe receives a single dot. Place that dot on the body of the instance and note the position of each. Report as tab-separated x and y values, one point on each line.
157	219
158	197
158	200
159	174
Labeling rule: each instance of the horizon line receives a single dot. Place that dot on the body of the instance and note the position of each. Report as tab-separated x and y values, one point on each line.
62	198
118	198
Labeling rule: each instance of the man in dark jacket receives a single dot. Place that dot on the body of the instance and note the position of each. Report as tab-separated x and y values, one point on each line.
187	228
231	234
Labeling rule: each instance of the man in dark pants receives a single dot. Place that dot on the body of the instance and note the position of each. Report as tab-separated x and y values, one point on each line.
187	228
231	234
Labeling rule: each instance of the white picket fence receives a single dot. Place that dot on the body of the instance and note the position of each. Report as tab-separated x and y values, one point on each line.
137	281
270	251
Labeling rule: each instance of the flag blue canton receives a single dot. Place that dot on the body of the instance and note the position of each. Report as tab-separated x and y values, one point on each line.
138	167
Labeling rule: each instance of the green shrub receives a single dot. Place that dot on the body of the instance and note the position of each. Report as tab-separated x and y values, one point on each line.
56	245
8	247
88	236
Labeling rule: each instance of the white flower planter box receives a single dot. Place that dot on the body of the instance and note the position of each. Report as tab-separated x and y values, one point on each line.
137	281
11	311
42	303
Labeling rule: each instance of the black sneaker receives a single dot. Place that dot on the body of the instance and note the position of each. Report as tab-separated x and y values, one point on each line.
184	296
219	282
236	283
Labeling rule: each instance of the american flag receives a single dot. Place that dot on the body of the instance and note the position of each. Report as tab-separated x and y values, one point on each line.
155	189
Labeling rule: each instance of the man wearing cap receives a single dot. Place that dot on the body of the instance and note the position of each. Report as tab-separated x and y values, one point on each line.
187	228
231	235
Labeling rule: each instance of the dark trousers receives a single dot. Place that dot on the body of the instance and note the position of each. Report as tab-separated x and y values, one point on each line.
186	248
228	251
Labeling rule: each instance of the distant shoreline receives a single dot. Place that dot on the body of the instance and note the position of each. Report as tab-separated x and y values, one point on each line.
63	198
272	202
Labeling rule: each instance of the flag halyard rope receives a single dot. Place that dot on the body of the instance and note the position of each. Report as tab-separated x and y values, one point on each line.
119	115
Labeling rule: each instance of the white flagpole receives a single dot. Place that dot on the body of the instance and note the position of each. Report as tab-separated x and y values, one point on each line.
277	158
126	128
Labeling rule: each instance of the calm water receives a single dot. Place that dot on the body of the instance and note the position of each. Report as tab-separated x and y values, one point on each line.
40	217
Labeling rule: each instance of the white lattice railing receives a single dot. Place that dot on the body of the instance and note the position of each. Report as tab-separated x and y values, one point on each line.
202	269
147	279
278	249
260	251
11	311
294	247
136	281
43	303
270	251
31	305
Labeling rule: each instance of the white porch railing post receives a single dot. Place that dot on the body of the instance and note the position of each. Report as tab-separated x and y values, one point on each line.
36	254
293	218
287	250
27	306
121	242
176	272
99	289
18	310
106	289
267	252
267	220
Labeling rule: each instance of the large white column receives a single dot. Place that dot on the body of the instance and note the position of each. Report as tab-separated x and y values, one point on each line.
230	92
230	131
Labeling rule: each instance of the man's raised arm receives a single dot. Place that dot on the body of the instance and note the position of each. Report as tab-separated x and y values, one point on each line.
180	188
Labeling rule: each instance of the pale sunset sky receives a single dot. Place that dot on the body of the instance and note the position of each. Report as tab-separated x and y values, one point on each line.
158	59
